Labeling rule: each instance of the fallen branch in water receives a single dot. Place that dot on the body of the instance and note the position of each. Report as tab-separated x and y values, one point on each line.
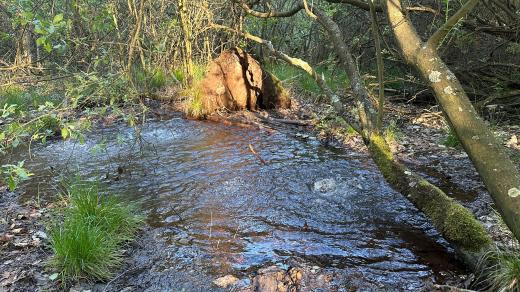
256	154
285	121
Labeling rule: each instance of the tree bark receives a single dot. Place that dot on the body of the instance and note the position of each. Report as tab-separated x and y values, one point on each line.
187	47
500	176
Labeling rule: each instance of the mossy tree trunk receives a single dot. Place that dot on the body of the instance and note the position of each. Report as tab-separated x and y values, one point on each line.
500	176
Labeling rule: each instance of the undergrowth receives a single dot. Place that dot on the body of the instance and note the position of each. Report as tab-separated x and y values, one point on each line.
90	235
294	76
392	132
24	99
193	105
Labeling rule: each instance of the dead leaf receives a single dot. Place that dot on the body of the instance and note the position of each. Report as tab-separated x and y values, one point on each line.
35	214
513	142
22	243
19	230
6	237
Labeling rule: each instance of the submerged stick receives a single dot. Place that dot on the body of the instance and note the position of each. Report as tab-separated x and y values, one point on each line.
256	154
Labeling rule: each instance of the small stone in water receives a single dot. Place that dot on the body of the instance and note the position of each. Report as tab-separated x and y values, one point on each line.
225	281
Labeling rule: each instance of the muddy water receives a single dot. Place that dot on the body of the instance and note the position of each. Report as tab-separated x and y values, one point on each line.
213	208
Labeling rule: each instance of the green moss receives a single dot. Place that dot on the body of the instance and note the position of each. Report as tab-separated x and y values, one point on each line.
461	227
453	221
456	223
284	97
384	158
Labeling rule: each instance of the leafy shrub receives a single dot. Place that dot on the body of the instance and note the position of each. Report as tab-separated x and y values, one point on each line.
13	174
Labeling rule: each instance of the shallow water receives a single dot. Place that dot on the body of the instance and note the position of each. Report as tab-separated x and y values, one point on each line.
214	209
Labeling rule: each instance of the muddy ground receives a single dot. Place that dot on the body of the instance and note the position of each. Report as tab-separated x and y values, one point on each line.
419	134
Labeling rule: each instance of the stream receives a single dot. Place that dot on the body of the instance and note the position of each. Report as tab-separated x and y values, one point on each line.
213	208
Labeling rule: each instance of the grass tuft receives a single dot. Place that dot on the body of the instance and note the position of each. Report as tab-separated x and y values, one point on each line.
88	243
451	140
392	132
501	270
193	105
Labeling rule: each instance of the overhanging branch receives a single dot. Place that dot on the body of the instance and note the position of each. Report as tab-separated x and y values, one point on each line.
441	33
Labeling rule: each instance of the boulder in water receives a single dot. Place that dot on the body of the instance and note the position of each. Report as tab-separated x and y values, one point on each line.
236	81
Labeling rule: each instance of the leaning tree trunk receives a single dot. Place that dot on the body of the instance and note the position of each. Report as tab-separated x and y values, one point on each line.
456	223
497	171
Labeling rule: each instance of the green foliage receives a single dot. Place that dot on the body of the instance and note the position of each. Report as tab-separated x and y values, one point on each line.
392	132
301	80
88	243
75	130
49	32
13	174
11	95
501	270
26	99
87	90
179	75
149	81
31	116
199	71
451	140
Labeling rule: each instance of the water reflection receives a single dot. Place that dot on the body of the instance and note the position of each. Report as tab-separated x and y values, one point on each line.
215	208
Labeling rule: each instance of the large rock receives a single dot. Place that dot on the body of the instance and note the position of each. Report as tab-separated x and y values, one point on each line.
236	81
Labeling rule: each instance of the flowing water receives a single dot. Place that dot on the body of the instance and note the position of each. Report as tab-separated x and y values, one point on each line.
213	208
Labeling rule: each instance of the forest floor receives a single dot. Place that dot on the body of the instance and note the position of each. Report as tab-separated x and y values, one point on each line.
418	137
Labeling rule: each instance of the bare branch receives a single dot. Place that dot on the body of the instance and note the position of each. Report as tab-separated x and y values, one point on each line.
441	33
270	14
308	11
366	6
380	67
